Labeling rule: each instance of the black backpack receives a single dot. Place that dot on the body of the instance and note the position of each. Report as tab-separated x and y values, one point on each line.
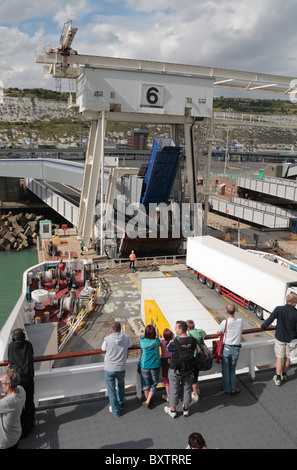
203	357
185	360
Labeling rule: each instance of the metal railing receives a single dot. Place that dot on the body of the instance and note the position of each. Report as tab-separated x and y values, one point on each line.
255	119
144	261
95	352
64	383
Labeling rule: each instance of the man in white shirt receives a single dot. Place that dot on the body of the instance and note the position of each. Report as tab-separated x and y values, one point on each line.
232	340
116	346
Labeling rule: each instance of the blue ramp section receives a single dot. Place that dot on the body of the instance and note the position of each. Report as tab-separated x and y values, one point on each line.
161	171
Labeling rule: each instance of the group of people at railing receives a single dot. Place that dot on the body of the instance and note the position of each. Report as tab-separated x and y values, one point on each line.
176	363
173	358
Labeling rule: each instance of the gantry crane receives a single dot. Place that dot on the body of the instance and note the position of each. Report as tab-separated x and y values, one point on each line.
171	94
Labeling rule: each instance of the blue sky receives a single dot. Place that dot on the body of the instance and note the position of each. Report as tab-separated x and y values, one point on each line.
257	36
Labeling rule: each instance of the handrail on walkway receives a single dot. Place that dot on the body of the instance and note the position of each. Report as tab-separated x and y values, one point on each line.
94	352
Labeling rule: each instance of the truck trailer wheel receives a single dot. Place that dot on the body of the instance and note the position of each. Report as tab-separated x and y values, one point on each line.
259	312
209	283
202	279
218	288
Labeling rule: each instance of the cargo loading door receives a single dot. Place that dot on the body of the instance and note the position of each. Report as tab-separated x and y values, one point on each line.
161	172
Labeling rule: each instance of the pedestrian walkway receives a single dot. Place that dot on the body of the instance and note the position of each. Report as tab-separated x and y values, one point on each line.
261	416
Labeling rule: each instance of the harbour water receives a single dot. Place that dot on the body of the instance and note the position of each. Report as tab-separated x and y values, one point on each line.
13	264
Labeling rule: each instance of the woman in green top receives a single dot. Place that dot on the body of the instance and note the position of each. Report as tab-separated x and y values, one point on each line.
150	363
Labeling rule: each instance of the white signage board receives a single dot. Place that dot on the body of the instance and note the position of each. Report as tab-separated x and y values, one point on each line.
123	91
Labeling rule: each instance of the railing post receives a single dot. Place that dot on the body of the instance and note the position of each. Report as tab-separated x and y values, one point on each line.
252	373
138	386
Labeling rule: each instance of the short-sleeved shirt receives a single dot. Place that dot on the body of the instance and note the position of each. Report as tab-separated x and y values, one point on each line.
173	348
164	351
233	332
11	407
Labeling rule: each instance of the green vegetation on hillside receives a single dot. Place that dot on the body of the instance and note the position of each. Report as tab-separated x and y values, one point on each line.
243	105
39	93
55	129
257	106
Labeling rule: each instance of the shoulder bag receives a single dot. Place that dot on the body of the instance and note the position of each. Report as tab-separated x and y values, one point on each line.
217	347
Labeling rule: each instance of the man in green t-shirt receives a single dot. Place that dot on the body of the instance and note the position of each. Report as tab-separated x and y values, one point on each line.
199	335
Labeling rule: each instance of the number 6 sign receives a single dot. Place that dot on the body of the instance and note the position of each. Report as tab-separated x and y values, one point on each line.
152	95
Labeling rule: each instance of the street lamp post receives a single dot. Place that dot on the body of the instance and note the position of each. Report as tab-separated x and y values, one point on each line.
226	153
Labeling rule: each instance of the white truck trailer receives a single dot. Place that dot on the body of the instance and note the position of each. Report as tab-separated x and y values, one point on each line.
253	282
165	300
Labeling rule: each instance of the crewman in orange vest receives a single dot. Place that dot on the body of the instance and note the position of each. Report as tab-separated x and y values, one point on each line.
61	266
132	258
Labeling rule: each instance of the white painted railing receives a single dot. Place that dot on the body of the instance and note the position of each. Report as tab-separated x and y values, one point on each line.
83	380
255	119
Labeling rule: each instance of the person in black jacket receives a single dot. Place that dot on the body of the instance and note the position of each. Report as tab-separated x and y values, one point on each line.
286	331
180	380
20	358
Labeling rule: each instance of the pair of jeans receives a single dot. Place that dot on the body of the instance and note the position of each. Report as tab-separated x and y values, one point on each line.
115	383
149	378
229	361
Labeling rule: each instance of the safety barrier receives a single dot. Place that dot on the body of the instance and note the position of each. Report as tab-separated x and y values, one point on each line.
81	381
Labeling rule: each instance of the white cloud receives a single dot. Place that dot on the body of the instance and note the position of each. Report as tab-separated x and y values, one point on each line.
13	11
17	62
103	33
219	33
158	5
71	11
256	36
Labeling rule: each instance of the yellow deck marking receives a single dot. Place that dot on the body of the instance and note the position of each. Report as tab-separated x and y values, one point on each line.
134	282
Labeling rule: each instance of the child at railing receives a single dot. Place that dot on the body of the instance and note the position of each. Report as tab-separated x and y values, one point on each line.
165	358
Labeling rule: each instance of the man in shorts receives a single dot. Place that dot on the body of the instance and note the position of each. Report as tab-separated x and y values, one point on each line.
286	331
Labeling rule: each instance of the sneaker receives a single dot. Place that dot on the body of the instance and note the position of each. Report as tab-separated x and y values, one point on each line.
171	413
186	412
195	397
276	380
110	410
165	397
283	376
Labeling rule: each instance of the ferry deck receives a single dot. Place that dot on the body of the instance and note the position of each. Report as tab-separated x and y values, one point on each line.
261	416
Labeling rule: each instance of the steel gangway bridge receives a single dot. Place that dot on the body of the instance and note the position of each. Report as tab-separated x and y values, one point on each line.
40	173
